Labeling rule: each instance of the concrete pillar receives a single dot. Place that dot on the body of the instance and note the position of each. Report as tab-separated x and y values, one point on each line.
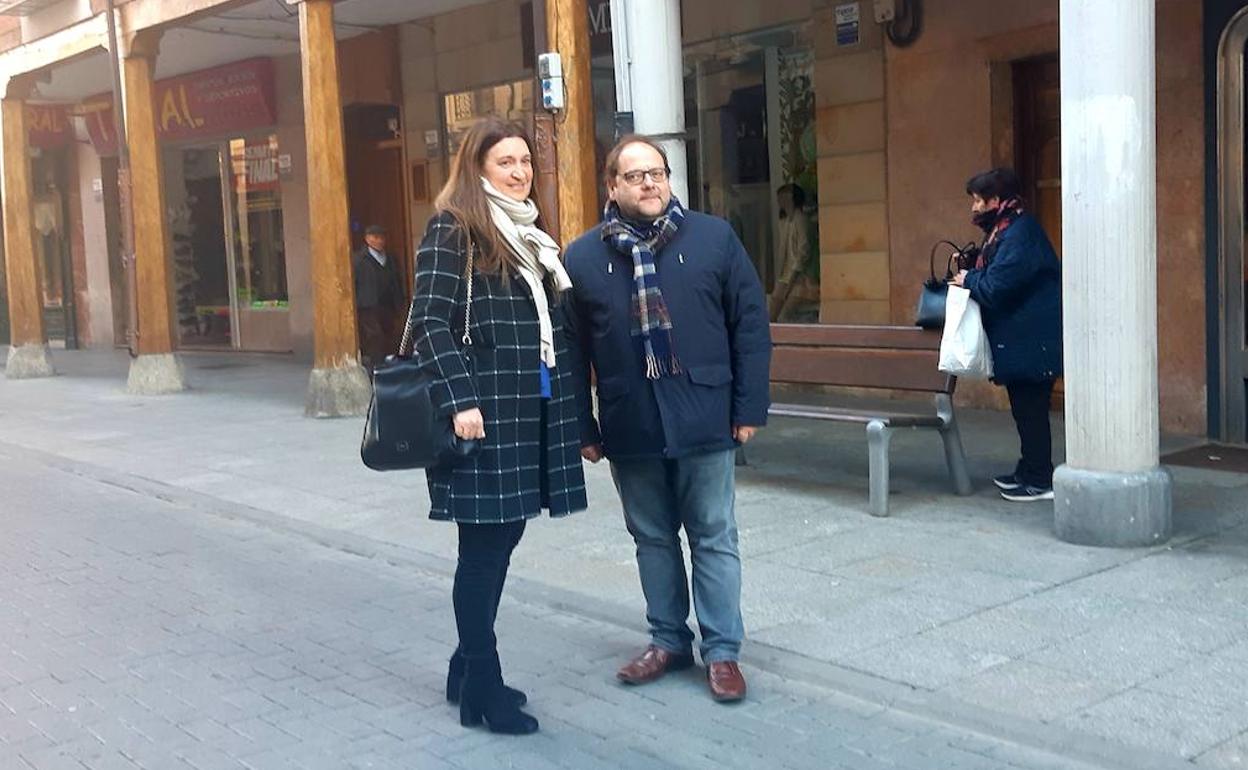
156	369
567	28
1112	490
28	355
338	385
651	46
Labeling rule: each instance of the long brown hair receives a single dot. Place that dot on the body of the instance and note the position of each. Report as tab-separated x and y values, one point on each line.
463	197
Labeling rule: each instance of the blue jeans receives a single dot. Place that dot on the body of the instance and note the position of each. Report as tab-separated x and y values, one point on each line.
660	496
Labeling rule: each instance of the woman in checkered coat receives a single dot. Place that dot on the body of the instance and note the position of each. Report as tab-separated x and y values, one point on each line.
507	383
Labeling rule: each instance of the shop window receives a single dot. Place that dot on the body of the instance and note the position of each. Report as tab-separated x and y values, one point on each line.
510	101
753	159
261	260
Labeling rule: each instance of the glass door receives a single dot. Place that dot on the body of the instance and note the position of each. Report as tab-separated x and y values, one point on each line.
203	293
735	160
753	160
228	251
258	248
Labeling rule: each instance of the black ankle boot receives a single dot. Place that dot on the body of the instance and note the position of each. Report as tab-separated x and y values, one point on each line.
483	698
455	680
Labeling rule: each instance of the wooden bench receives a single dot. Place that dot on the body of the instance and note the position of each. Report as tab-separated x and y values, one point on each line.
872	357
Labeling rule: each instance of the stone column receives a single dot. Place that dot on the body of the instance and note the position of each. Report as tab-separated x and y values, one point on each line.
28	355
1112	490
338	386
567	28
656	74
156	369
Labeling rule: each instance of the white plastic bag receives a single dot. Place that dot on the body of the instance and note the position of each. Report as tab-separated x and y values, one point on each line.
964	348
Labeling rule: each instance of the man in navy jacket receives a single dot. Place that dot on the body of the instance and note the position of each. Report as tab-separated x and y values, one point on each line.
667	309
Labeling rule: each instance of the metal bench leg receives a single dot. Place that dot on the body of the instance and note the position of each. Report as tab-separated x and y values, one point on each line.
955	457
878	435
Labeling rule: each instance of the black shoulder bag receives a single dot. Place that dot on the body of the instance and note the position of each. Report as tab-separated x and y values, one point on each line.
403	429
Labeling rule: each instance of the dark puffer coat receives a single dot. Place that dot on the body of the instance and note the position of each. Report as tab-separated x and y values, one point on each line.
1020	298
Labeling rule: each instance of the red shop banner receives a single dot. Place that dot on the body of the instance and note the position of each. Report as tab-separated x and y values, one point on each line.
48	126
223	100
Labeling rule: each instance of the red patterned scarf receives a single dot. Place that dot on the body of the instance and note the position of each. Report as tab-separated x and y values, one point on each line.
1007	211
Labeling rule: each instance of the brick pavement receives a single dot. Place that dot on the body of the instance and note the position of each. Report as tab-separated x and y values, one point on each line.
136	632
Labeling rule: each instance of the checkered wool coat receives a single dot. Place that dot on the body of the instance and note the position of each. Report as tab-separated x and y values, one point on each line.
531	458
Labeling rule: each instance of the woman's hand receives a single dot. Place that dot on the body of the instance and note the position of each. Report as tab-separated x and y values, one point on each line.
470	424
959	279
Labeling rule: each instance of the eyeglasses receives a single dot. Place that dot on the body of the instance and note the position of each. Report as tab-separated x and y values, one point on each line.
634	178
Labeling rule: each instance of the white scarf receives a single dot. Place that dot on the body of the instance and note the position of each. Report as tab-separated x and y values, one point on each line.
538	254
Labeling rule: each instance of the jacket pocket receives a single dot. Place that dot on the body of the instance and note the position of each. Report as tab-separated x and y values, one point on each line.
711	376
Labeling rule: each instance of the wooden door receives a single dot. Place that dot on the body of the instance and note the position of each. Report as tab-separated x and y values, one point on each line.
375	181
1038	137
1038	149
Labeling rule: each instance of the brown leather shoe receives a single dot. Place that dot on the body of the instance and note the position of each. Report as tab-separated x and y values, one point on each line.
652	664
724	677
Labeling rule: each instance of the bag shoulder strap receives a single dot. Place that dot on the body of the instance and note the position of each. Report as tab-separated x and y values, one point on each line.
406	344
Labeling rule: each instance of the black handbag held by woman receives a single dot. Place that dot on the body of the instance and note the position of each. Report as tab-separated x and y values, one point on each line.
403	429
930	313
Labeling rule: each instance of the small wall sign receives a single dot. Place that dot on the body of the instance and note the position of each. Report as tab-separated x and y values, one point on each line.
848	19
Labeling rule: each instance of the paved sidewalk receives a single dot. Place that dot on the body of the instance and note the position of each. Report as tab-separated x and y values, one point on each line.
965	610
140	634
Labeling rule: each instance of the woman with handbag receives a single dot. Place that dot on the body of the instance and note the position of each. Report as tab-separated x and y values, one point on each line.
487	278
1017	281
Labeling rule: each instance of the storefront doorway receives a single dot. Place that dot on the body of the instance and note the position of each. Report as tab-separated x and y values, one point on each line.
1233	267
50	182
227	250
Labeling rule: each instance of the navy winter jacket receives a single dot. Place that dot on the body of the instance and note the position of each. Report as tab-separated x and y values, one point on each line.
720	334
1020	299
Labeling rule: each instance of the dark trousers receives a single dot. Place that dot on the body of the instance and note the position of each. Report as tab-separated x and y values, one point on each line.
1029	403
378	338
484	555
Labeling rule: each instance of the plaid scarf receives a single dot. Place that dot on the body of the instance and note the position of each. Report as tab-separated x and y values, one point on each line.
652	323
1007	212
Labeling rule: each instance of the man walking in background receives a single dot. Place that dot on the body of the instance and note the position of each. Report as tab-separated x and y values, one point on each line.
378	297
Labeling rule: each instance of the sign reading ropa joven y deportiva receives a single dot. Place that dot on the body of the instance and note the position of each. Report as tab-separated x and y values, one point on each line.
210	103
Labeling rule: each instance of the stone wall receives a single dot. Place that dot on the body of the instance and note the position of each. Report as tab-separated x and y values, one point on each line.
853	181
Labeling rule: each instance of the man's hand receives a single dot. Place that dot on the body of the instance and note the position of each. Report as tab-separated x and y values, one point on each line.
592	452
743	433
959	279
470	424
